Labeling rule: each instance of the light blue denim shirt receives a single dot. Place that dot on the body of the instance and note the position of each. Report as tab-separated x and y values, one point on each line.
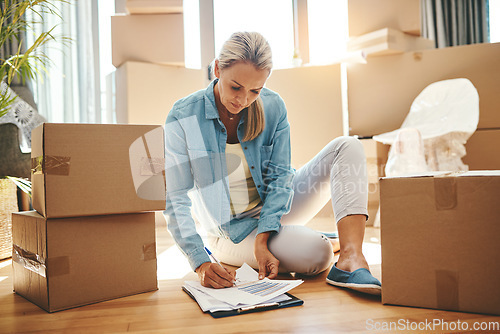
197	178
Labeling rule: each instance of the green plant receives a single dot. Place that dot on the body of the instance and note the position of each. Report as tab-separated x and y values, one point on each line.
23	184
18	18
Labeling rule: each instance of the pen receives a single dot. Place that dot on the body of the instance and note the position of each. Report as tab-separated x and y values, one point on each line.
215	259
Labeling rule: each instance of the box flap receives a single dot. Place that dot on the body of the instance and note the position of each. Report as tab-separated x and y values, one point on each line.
37	175
448	174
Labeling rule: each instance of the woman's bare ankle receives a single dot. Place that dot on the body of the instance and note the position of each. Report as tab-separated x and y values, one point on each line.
351	261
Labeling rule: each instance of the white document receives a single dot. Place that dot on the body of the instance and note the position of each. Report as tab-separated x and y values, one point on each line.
249	290
209	303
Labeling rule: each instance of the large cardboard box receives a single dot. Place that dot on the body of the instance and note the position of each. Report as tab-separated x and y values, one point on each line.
145	93
96	169
369	15
440	237
154	6
313	98
388	41
483	150
153	38
381	92
64	263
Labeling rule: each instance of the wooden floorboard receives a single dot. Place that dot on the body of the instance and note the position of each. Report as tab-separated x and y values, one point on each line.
169	310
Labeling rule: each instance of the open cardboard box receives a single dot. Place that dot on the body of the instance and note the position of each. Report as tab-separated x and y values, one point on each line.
440	235
69	262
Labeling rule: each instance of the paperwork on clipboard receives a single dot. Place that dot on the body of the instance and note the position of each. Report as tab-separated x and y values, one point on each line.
249	291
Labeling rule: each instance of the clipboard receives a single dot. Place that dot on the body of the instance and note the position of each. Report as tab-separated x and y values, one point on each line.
294	301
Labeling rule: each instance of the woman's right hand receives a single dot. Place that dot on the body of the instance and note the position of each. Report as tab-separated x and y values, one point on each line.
213	275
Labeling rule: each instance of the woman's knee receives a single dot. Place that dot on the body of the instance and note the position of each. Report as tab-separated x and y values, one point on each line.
346	143
302	250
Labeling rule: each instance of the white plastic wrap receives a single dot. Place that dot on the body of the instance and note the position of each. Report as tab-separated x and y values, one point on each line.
446	114
407	154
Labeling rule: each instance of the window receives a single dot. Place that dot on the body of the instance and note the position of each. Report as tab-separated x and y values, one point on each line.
273	19
494	20
328	30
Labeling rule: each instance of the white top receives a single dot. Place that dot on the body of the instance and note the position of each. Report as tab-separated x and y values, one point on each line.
242	191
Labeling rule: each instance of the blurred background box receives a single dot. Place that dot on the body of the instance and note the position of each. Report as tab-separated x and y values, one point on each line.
483	150
314	107
381	92
145	93
148	38
369	15
388	41
154	6
69	262
376	159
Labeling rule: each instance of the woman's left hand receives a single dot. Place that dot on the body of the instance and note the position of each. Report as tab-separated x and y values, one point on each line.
268	264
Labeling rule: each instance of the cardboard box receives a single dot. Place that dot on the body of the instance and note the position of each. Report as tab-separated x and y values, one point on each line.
64	263
95	169
483	151
388	41
376	159
153	38
380	93
145	93
314	107
369	15
154	6
440	237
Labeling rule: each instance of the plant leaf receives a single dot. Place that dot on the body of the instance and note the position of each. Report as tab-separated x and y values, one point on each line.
23	184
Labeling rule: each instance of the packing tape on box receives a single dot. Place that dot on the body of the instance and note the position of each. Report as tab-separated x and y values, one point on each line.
447	289
149	251
445	192
50	164
29	260
56	266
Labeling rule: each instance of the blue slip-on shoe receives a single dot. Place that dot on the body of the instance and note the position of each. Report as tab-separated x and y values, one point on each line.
360	280
330	235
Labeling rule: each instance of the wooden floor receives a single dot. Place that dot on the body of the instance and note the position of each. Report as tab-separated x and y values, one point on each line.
169	310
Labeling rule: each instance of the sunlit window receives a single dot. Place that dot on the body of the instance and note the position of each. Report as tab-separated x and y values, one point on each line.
272	18
192	51
328	30
494	20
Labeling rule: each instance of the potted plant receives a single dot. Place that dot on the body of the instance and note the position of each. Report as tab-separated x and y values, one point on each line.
18	18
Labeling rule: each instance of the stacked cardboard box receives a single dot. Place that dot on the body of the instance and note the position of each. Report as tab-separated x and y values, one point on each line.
91	237
148	52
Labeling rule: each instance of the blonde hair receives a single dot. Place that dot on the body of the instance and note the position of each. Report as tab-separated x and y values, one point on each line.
253	48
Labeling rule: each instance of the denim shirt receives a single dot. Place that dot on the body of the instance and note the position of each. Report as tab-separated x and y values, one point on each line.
197	177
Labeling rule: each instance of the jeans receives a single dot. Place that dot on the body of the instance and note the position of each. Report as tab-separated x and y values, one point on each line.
337	172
